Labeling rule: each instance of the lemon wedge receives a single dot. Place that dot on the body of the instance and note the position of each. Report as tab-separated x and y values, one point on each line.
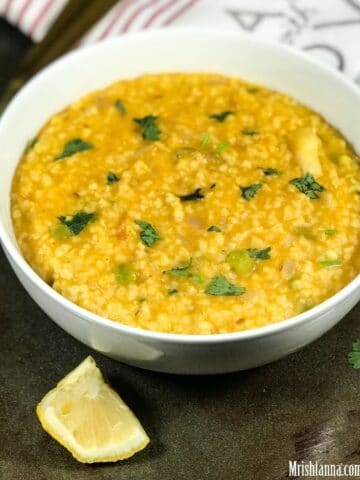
86	416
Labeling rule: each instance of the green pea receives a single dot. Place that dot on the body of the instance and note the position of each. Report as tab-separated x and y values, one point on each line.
60	232
125	274
241	262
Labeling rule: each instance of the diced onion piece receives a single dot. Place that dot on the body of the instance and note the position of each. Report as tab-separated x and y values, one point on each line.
288	269
195	222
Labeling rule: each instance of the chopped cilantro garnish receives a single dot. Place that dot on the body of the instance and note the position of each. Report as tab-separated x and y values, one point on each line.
259	254
308	186
330	232
76	223
172	291
250	131
221	116
112	178
148	233
271	171
330	263
250	191
206	140
221	287
354	355
120	107
213	185
252	90
73	146
222	146
214	228
150	131
182	271
198	278
195	195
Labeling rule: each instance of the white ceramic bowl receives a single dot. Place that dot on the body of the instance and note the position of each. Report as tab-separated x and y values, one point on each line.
91	68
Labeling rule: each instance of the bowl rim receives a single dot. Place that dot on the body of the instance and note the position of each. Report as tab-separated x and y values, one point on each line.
13	252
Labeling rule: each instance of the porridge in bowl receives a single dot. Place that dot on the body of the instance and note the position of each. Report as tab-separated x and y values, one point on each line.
189	203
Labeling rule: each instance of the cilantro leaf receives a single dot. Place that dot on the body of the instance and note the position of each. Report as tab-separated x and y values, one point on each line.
183	271
308	186
329	232
195	195
112	178
76	223
148	234
259	254
206	140
250	191
271	171
172	291
222	146
73	146
252	90
354	355
221	287
120	107
250	132
150	131
214	228
221	116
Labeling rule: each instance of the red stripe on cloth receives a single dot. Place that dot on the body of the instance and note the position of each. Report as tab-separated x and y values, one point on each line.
23	10
7	8
158	12
177	14
41	15
117	14
137	13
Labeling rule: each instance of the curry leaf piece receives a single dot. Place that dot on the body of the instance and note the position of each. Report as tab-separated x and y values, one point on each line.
195	195
221	116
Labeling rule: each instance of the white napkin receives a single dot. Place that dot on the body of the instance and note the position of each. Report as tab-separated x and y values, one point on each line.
326	29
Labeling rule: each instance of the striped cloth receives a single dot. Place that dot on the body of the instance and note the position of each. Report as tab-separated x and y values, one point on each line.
34	17
326	29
